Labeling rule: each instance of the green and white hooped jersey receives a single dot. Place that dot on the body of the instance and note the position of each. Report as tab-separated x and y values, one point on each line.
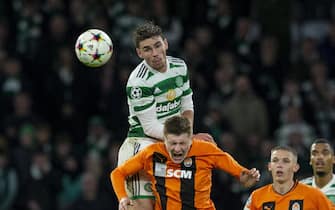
328	190
147	87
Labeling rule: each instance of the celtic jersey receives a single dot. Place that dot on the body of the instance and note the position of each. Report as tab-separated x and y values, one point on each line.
328	189
165	91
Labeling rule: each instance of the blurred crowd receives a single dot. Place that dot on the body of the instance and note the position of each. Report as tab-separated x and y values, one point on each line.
262	72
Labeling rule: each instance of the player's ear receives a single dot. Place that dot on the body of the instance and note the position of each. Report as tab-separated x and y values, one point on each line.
139	52
269	166
333	159
296	167
166	44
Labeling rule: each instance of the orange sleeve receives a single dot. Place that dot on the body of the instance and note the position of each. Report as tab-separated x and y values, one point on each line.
119	174
227	163
216	157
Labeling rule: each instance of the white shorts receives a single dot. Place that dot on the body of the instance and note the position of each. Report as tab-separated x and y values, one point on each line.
139	185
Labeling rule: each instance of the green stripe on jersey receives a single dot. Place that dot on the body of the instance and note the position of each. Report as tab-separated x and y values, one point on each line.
171	83
187	92
141	108
136	132
172	65
169	114
145	92
331	198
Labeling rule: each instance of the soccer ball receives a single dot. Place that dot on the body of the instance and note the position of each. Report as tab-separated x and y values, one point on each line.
94	48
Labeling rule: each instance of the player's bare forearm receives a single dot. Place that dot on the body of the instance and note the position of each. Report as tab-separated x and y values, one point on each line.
189	114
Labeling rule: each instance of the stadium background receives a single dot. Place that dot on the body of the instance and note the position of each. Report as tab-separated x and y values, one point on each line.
262	73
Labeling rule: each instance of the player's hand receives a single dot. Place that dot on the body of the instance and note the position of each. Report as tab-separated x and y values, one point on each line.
204	137
125	203
249	177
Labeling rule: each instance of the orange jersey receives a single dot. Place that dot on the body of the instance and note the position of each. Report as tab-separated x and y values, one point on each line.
178	186
300	197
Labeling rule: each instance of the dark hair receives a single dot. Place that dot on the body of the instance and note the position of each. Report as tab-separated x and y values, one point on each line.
285	148
146	31
323	141
177	125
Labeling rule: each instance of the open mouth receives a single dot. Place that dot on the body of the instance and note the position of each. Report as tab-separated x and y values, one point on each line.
319	163
178	157
279	173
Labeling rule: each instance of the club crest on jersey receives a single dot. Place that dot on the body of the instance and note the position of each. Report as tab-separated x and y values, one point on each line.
188	162
171	95
296	205
179	81
147	187
268	206
136	92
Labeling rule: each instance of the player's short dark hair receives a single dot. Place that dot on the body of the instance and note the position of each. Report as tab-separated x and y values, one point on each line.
177	125
323	141
146	31
285	148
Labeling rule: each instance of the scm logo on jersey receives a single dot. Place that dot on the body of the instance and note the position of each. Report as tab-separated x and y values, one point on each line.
180	174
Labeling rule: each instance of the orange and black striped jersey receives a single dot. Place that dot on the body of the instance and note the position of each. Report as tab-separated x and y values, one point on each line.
178	186
300	197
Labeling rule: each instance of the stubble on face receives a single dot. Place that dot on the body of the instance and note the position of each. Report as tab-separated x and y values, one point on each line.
153	51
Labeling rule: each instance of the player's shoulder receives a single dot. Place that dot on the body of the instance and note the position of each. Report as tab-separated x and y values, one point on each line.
266	189
201	147
202	143
139	75
155	147
307	189
155	150
175	60
308	180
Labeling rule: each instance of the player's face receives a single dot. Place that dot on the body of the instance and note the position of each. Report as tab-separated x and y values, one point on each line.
322	159
153	51
178	146
283	165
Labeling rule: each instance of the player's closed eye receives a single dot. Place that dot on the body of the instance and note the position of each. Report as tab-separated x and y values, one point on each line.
146	49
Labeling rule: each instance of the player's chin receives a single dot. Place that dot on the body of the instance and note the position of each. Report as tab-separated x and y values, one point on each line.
157	64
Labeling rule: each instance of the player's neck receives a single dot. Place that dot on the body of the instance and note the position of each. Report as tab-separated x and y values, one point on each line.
162	70
283	188
321	181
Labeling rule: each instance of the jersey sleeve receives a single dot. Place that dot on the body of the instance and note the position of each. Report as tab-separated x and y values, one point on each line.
186	100
226	162
218	158
140	96
131	166
186	86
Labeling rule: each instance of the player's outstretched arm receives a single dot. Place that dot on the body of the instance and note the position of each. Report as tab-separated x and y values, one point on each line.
249	178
